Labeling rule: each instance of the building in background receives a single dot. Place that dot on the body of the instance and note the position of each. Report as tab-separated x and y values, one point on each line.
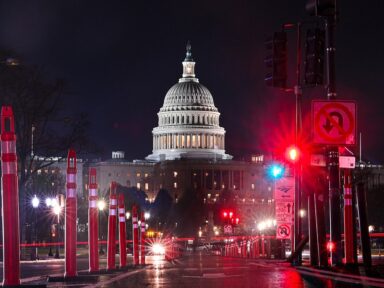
189	156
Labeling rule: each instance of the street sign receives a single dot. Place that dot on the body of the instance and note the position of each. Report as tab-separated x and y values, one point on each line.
283	231
347	162
318	160
227	229
334	122
285	189
284	212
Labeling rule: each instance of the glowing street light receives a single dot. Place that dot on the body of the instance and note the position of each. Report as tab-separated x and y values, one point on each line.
101	205
127	215
147	215
35	201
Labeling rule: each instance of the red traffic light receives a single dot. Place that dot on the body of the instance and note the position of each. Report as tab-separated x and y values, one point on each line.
293	154
331	246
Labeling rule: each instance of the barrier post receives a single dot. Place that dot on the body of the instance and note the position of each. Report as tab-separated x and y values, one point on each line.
122	232
71	216
10	199
142	239
93	230
111	243
135	235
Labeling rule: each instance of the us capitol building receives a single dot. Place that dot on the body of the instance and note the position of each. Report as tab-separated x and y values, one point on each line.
189	154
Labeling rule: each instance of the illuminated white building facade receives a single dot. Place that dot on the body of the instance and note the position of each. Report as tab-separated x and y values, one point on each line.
188	124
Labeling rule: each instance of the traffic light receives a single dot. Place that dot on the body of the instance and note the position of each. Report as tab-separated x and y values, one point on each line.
292	154
321	7
276	171
276	61
314	57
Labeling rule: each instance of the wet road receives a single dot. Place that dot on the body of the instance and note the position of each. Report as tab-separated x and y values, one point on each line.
201	270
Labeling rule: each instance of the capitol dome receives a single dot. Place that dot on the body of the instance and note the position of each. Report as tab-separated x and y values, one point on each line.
188	121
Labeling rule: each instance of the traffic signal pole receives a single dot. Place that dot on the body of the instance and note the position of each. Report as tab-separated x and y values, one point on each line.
333	151
298	169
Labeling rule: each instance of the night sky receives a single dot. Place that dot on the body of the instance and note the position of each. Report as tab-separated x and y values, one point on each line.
119	59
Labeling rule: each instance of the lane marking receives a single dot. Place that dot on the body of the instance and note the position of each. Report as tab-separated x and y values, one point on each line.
342	275
117	278
342	279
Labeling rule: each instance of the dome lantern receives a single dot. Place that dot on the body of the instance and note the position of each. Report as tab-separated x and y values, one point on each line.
188	65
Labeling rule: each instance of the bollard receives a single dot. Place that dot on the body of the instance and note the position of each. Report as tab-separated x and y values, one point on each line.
142	240
135	236
71	217
93	224
10	199
122	232
262	246
348	218
111	243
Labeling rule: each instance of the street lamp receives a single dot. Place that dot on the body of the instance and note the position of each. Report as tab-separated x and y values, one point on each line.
101	206
35	204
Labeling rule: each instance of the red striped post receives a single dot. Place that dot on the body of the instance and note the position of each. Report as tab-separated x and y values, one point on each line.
93	233
111	243
10	199
71	216
142	239
348	219
135	235
122	232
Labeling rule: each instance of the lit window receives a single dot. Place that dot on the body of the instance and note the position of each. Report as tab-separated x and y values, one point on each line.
146	186
174	173
138	174
138	186
209	195
175	185
38	172
223	186
253	186
146	175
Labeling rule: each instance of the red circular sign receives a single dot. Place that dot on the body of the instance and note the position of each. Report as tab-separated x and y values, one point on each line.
343	132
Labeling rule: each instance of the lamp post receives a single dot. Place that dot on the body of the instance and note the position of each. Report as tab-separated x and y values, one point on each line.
35	204
101	206
48	203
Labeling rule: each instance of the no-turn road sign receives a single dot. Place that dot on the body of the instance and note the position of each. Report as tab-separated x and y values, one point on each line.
283	231
334	122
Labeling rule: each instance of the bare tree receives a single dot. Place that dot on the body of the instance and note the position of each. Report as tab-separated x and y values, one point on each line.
44	131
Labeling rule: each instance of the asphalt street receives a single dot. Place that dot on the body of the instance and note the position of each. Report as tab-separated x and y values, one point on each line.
195	270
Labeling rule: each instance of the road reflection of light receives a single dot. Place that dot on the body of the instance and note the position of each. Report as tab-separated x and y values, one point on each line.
158	261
